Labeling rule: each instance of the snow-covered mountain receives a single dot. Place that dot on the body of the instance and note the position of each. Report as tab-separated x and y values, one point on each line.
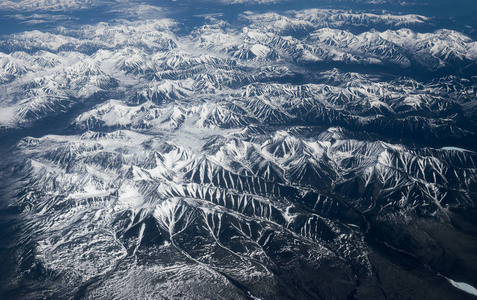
305	154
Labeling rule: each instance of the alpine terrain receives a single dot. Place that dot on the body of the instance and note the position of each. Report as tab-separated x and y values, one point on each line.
238	149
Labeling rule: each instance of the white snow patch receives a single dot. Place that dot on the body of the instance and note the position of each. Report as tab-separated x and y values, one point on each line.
130	197
464	287
451	148
260	50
